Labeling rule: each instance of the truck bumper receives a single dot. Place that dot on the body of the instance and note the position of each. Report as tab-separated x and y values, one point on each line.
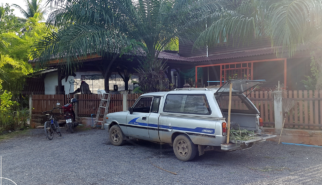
241	145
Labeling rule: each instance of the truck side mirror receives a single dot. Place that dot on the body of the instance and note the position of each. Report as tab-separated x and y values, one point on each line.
131	110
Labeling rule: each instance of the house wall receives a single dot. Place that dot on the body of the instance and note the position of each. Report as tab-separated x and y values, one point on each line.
51	81
73	83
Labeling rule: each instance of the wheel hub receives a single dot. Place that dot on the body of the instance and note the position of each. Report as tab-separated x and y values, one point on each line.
182	148
115	136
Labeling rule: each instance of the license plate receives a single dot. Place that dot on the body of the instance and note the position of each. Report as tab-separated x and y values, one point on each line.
68	120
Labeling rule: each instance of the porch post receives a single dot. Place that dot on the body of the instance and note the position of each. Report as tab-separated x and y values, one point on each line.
285	73
278	108
125	93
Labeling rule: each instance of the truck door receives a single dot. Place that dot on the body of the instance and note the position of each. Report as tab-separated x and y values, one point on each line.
137	123
154	119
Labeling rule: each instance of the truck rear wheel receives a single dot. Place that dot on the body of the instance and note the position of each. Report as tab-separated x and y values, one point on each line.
183	148
116	135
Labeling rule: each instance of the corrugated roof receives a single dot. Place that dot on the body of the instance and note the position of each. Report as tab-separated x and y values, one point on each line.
219	56
225	55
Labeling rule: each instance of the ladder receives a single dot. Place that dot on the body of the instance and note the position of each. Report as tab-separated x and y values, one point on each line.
104	104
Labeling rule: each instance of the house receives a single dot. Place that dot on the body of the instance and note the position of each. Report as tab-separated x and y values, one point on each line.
209	66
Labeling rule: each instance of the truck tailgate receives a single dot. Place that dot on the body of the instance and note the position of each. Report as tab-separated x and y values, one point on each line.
236	145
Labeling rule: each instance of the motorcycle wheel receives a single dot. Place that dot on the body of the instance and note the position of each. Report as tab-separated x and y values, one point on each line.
58	131
70	127
48	130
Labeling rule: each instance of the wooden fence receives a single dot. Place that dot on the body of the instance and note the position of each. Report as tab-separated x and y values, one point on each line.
264	101
87	103
305	114
307	111
131	98
41	103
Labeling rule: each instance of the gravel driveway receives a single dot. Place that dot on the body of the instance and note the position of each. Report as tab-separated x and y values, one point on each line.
86	157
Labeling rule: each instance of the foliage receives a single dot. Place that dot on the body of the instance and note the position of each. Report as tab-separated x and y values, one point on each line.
16	52
12	73
152	77
33	7
173	45
6	102
311	81
238	135
8	22
12	120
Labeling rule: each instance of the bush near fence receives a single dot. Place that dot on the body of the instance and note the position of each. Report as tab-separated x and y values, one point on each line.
306	114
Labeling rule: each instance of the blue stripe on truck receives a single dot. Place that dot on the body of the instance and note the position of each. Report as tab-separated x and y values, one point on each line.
197	129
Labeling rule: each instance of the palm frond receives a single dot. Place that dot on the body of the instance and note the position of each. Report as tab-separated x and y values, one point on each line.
293	22
24	13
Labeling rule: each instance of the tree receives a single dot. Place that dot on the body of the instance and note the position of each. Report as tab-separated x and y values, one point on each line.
16	50
33	7
8	22
107	27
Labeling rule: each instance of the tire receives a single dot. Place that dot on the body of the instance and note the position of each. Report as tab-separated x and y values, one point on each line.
58	131
48	130
183	148
116	135
71	127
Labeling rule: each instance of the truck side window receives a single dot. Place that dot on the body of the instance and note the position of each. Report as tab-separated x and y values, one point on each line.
188	104
155	104
143	105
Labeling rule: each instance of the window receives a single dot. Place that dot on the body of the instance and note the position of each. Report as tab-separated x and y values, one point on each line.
239	104
143	105
155	104
188	104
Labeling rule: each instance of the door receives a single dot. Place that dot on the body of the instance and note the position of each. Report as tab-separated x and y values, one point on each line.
137	122
154	119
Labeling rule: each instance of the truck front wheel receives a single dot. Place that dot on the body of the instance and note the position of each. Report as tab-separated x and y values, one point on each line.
116	135
183	148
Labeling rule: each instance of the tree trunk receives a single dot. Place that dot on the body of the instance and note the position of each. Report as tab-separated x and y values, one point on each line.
126	82
108	72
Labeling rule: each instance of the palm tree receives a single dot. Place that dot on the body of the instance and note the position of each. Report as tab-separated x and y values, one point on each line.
108	28
288	23
33	7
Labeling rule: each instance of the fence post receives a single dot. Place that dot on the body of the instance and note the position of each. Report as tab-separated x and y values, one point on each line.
124	100
278	109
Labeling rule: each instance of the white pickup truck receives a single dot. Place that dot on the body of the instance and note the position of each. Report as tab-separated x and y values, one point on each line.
191	120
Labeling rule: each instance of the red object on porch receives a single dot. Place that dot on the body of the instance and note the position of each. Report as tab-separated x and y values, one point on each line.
244	69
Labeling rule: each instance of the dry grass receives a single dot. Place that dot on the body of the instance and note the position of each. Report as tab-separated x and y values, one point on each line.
13	134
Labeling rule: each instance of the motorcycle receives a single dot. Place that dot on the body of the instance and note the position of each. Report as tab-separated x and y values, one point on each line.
69	115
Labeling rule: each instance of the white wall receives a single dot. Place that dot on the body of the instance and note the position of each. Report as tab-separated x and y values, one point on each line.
51	81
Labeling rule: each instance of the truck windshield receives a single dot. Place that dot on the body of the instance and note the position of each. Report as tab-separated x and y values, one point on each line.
239	104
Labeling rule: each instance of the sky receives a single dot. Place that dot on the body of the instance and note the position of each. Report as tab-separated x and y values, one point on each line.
21	3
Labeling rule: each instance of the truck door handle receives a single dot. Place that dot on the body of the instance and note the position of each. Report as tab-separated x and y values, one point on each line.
143	118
